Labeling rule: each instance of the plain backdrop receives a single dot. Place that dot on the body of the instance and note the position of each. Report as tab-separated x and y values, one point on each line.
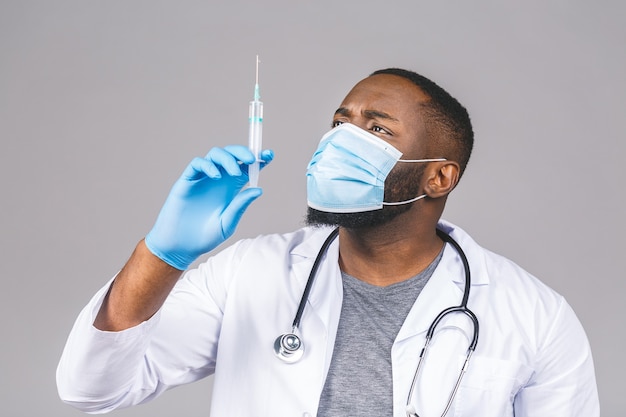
103	103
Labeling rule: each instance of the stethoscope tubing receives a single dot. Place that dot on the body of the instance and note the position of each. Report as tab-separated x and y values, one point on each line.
309	283
290	349
461	308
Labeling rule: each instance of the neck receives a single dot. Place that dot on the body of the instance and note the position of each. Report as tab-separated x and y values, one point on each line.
390	253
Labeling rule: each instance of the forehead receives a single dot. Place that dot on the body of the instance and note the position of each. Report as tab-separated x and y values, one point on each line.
386	92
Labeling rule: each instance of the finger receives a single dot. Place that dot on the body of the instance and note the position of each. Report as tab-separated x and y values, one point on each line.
267	156
241	153
200	167
232	214
226	160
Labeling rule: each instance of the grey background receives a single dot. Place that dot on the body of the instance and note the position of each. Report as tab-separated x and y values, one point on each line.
103	103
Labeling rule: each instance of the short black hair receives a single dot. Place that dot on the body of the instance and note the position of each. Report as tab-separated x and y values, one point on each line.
447	121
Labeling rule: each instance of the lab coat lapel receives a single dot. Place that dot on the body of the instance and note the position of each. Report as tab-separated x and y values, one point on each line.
327	284
444	289
327	293
321	314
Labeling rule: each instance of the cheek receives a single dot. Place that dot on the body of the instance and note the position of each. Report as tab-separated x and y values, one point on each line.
404	180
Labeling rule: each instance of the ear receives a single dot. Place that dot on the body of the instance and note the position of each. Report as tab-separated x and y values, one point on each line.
442	178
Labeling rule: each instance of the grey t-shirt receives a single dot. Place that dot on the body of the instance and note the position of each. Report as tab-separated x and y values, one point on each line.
359	381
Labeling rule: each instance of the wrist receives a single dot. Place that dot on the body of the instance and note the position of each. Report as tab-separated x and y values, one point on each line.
171	259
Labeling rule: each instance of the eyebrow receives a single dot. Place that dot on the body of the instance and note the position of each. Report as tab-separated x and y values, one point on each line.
370	114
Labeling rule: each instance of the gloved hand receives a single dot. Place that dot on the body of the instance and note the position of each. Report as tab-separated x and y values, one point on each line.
204	205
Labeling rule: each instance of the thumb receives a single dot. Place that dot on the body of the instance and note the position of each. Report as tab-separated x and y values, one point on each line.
232	214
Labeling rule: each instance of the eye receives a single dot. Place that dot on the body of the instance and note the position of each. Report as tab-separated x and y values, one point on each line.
378	129
336	123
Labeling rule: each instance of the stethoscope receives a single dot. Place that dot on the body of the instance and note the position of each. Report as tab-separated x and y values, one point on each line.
289	347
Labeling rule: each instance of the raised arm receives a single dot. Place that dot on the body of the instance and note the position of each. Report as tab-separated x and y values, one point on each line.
119	352
201	211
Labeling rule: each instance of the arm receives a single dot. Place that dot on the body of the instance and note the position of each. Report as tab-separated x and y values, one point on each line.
121	351
138	291
202	210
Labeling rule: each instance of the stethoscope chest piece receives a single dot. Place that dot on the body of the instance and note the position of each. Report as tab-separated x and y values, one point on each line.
288	347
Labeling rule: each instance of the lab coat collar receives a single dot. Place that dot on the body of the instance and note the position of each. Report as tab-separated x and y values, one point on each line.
309	247
473	252
444	289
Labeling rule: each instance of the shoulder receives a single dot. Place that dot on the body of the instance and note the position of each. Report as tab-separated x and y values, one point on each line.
302	241
515	306
502	276
273	254
269	249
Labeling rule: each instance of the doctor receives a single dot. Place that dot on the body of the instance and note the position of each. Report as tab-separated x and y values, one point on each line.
398	147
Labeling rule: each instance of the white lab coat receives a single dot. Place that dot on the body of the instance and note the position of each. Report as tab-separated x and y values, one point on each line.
532	358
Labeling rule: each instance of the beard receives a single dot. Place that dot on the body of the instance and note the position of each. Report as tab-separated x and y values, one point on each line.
402	183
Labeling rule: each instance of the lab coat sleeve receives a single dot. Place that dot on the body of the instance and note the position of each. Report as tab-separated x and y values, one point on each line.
563	383
102	371
96	368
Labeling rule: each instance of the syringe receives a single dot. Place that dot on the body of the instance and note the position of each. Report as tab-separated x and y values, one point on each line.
255	132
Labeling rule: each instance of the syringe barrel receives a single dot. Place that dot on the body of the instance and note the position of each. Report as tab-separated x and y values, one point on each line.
255	139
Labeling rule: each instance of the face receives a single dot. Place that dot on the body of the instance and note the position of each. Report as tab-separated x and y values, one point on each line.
388	107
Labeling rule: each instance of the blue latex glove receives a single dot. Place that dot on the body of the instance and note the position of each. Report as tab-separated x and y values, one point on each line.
204	205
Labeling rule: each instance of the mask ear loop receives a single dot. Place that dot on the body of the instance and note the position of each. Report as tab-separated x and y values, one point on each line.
423	160
399	203
419	197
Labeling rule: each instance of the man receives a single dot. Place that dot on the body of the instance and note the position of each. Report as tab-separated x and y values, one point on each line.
398	147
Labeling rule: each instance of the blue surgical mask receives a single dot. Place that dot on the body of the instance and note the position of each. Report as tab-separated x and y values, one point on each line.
348	170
